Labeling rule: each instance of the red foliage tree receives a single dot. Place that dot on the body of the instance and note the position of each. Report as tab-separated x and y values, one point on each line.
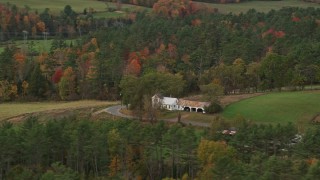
295	19
279	34
134	65
57	75
276	34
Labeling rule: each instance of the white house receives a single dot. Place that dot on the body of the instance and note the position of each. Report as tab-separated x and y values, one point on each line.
171	104
168	103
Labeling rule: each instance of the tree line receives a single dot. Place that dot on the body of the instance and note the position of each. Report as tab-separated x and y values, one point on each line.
23	23
77	148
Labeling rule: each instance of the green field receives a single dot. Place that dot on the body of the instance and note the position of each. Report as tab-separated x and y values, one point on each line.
109	14
56	6
8	110
276	108
262	6
37	45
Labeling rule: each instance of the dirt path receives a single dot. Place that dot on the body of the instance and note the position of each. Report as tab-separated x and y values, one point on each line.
226	100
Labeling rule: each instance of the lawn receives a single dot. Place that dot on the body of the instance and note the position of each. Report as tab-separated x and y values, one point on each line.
109	14
262	6
8	110
276	108
56	6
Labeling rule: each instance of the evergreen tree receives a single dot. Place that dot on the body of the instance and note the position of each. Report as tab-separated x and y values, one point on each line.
37	82
7	65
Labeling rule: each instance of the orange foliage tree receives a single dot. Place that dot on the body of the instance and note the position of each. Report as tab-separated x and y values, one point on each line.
174	8
41	26
133	66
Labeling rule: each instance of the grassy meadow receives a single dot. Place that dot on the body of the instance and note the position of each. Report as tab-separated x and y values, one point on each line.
277	108
262	6
57	6
8	110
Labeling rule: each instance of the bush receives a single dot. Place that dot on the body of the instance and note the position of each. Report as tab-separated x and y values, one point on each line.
214	107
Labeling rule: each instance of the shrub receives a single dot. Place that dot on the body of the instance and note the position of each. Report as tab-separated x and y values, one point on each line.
214	107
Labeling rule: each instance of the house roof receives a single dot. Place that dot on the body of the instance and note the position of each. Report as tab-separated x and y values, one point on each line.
169	101
158	95
183	102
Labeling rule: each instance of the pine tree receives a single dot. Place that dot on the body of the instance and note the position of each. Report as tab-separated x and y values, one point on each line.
7	65
37	82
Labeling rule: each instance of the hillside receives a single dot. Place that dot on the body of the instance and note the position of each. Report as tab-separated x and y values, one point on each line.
101	6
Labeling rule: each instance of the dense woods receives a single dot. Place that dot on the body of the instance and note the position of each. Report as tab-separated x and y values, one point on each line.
77	148
241	53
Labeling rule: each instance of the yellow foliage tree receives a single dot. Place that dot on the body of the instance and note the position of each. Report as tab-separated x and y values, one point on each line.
14	91
25	86
208	152
114	166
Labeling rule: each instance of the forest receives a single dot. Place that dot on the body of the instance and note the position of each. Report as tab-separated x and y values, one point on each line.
248	52
76	148
192	48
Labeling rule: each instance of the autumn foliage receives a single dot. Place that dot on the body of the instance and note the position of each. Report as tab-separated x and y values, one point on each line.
295	19
19	57
175	8
274	33
57	75
196	22
134	66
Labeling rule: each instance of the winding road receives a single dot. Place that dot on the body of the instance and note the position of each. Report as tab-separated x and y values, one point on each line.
115	110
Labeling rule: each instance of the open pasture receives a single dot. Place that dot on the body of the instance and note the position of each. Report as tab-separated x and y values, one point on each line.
261	6
8	110
274	108
57	6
